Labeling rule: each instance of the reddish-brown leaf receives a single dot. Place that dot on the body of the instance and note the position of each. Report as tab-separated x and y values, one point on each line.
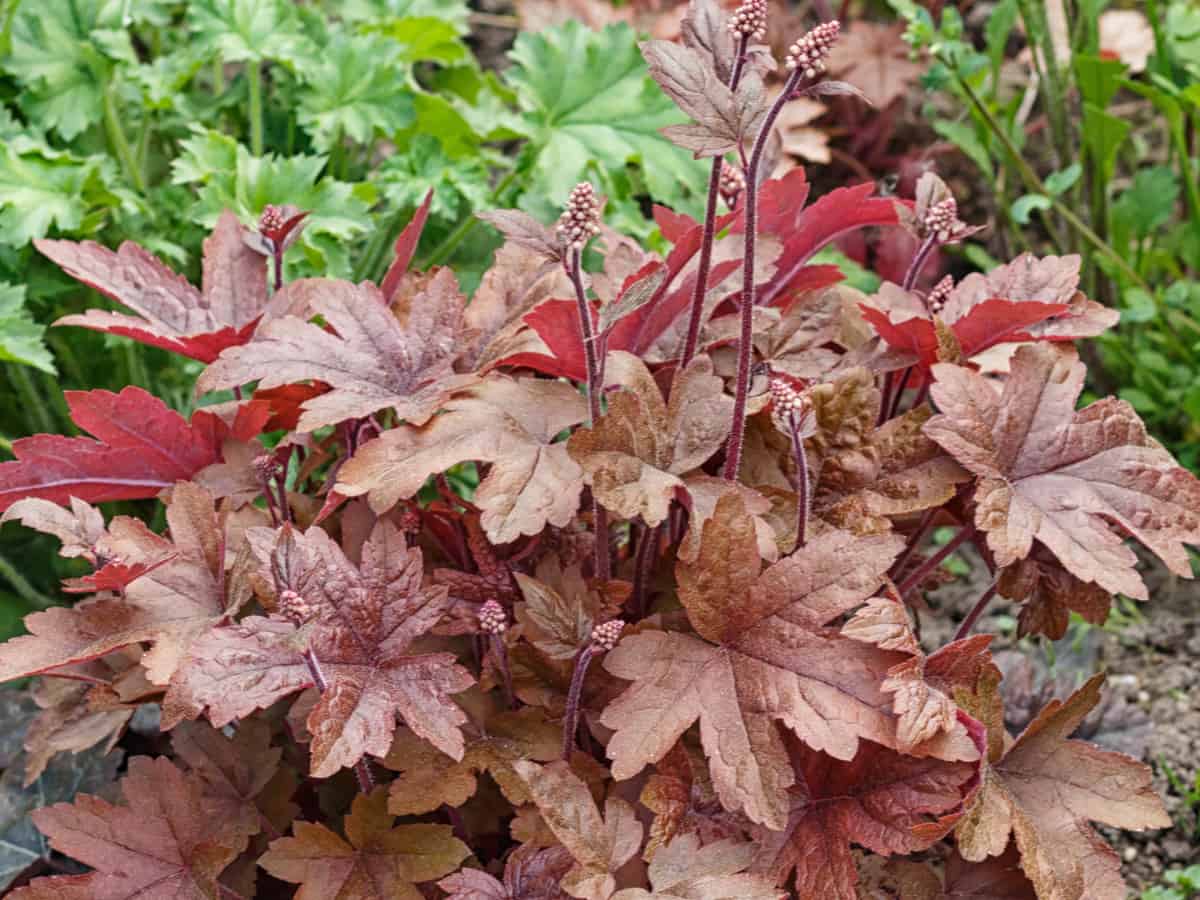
1045	790
510	423
530	873
365	619
170	312
140	446
685	870
763	655
376	357
1049	473
167	842
374	861
874	800
634	455
600	844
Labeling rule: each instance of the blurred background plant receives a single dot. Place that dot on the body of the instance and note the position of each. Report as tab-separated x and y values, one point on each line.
1083	115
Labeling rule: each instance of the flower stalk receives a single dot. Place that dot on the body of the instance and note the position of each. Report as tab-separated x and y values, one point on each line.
604	638
806	59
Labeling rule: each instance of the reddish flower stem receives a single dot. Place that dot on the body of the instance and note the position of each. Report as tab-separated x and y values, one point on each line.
976	611
500	653
921	572
914	541
803	502
733	449
696	316
891	391
574	265
642	566
571	719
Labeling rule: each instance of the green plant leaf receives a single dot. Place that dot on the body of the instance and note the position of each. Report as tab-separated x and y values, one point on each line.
1023	207
453	11
1103	135
353	89
1139	306
228	176
20	336
966	139
425	39
1058	183
1099	78
1149	202
62	53
587	99
42	188
248	30
460	186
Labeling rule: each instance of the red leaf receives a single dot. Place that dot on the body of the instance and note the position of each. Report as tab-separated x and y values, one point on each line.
171	314
141	447
166	842
406	246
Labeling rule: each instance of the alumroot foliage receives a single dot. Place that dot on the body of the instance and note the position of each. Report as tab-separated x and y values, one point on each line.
388	657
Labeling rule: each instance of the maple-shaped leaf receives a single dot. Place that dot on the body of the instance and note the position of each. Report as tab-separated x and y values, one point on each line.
176	598
510	423
170	312
635	454
685	870
530	873
1048	594
1049	473
722	119
375	859
600	844
874	800
365	619
140	446
560	608
1044	789
376	356
167	841
1028	299
78	529
995	878
763	654
236	769
876	58
429	778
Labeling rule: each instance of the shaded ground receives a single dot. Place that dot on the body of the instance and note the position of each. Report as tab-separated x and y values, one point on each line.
1151	657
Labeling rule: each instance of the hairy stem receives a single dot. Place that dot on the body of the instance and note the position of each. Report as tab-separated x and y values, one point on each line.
892	392
571	719
803	501
918	262
500	654
976	611
733	449
921	572
696	316
642	566
254	83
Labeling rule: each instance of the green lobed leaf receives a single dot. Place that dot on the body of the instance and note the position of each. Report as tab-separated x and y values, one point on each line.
20	336
42	189
460	186
354	90
228	176
586	99
247	30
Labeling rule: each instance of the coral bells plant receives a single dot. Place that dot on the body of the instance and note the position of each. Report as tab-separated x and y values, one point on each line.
606	584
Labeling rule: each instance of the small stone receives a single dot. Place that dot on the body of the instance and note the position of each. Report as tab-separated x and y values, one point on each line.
1143	696
1130	854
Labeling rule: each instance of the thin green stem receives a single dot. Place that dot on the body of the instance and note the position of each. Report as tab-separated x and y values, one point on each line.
218	76
119	142
254	82
22	587
6	445
33	404
1035	184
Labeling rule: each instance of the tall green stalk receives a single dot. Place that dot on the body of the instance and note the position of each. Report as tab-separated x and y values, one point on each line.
254	84
118	141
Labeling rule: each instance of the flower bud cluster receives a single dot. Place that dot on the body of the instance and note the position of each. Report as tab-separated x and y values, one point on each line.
750	20
295	607
942	221
939	295
732	183
605	637
809	53
492	618
580	221
789	404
